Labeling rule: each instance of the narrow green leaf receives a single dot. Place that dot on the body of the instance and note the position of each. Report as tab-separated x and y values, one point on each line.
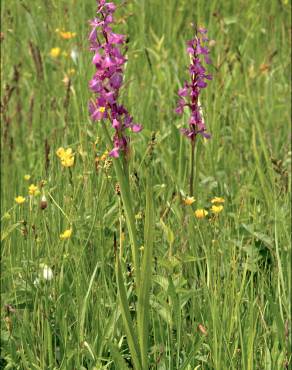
9	230
117	357
84	305
131	336
146	273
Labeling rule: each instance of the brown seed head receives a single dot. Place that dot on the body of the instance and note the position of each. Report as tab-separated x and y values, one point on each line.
43	203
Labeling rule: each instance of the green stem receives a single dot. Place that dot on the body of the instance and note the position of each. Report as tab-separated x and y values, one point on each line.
143	319
192	168
130	219
127	320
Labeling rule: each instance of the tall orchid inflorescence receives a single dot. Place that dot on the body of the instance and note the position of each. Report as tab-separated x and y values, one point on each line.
109	59
189	93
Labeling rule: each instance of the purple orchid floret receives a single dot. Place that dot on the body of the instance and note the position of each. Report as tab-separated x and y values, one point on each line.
189	93
107	81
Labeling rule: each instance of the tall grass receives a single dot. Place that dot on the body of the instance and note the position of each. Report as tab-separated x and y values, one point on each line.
220	297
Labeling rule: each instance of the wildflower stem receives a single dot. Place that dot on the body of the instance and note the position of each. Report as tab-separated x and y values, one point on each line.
127	320
192	167
130	219
121	230
146	271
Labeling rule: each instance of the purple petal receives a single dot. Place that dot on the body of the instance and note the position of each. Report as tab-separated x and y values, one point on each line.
116	124
179	110
206	135
96	59
108	62
136	128
202	30
114	153
208	60
116	80
92	35
110	7
115	38
202	84
202	50
190	50
183	91
95	85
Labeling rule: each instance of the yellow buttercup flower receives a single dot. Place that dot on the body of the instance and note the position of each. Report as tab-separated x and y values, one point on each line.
27	177
55	52
67	35
19	199
189	200
67	161
216	209
66	157
217	200
201	213
60	152
33	190
66	234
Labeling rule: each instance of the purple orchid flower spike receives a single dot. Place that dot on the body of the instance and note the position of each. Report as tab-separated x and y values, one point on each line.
107	81
189	93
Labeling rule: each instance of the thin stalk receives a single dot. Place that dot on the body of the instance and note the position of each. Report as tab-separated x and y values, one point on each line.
143	308
130	219
192	167
126	315
121	232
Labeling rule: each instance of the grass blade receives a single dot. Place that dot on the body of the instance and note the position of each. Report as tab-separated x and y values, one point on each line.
146	273
128	324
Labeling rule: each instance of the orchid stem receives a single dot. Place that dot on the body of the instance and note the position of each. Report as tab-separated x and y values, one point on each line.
130	219
192	167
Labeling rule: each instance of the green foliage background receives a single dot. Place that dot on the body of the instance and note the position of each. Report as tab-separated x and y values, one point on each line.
230	274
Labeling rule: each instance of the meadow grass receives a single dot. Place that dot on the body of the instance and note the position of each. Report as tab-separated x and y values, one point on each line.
221	290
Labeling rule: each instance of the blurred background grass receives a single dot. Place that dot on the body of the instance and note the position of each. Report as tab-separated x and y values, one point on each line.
230	275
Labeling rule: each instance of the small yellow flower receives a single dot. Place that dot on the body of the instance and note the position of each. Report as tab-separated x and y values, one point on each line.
60	152
20	199
104	156
67	35
102	109
217	200
66	234
33	190
216	209
66	157
67	161
201	213
55	52
71	71
189	200
27	177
